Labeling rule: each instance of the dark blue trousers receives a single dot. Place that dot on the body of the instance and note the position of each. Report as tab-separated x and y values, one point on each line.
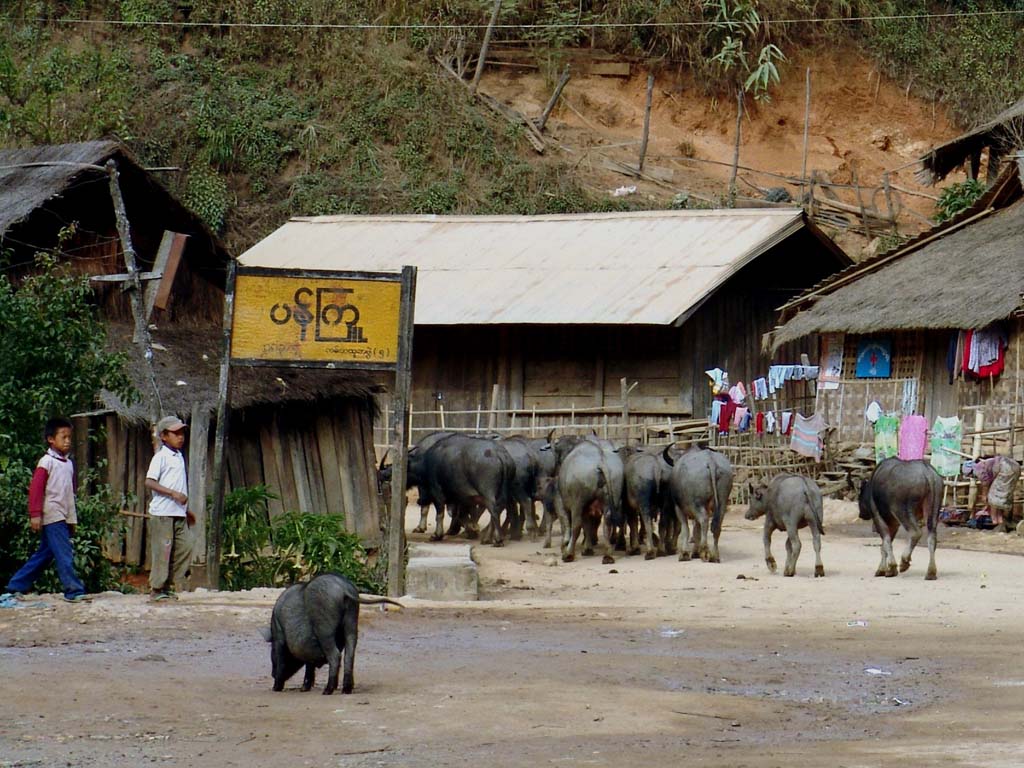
54	544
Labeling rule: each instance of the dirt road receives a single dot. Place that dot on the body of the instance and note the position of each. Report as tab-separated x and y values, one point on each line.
561	664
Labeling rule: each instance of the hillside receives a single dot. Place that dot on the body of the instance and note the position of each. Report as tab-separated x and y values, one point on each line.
265	123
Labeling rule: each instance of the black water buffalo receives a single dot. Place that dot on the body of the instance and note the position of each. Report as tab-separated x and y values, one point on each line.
700	485
469	473
788	503
645	493
312	624
589	497
526	456
906	493
414	474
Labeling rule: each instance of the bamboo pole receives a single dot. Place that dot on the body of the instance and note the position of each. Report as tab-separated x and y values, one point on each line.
807	123
736	149
484	46
562	81
979	426
647	123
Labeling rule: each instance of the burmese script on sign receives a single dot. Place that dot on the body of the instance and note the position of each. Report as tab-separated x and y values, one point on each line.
315	319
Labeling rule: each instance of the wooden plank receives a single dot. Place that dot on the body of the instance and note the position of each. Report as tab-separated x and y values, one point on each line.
370	533
198	443
314	468
113	545
297	454
162	294
329	461
282	459
141	446
268	457
249	454
341	442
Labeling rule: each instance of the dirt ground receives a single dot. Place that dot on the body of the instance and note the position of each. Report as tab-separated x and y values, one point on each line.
559	664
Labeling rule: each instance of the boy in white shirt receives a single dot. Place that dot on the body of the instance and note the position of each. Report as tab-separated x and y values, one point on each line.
169	535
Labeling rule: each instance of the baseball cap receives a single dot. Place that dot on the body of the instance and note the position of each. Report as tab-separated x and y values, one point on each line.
169	424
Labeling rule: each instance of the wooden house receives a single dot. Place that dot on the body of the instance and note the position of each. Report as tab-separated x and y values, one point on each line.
308	437
916	301
535	313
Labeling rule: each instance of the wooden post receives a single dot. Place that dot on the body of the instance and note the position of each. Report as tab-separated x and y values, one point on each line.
887	186
214	537
492	415
860	201
553	100
647	122
198	453
135	293
807	123
736	149
484	46
403	385
979	426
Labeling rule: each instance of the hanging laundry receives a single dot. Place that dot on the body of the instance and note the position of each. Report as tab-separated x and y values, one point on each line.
760	388
886	440
738	393
908	403
719	380
946	433
759	424
780	374
806	438
873	411
716	412
986	350
726	416
912	437
787	422
770	422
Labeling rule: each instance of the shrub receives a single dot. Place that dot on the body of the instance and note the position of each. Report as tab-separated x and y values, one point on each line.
956	198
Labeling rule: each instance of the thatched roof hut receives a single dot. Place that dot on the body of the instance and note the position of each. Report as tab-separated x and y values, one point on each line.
999	135
966	273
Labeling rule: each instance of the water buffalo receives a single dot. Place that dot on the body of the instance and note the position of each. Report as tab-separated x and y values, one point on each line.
311	625
788	503
906	493
526	456
700	485
589	497
469	473
645	494
414	475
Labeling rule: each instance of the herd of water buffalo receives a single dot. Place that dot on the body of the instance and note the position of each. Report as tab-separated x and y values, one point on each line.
654	500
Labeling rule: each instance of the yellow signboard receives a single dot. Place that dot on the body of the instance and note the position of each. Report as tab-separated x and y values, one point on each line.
318	320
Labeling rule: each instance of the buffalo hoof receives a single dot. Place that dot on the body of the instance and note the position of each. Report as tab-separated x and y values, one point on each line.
714	559
819	570
278	687
347	685
329	689
789	572
684	556
547	544
772	565
890	572
633	551
588	551
471	535
306	688
568	558
419	529
436	537
931	575
500	543
607	560
880	572
904	564
650	554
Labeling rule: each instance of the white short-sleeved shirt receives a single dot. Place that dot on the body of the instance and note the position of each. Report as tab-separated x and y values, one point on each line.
59	498
168	469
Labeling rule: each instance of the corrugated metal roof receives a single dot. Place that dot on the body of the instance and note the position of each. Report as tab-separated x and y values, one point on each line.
649	267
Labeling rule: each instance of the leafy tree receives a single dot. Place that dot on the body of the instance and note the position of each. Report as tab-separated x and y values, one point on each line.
52	345
736	33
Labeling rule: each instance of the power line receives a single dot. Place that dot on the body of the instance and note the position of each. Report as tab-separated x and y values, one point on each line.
356	26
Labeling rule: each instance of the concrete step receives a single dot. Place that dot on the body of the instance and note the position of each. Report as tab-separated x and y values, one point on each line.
442	578
440	549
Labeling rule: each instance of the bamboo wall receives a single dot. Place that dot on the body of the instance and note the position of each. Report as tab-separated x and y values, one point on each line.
314	458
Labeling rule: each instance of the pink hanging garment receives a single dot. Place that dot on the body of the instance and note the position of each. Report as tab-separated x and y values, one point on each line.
913	437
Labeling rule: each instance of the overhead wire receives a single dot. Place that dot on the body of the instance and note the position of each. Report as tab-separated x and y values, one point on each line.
357	26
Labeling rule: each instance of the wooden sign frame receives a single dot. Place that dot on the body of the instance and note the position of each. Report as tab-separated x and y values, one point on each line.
402	366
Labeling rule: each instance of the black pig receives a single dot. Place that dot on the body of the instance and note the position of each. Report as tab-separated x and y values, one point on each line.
312	623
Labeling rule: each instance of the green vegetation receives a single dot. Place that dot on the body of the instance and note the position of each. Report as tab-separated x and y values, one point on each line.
260	552
54	362
956	198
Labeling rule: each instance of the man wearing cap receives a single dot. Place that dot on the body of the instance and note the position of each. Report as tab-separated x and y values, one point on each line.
169	535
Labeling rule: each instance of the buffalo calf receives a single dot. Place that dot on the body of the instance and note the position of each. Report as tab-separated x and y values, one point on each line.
788	503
